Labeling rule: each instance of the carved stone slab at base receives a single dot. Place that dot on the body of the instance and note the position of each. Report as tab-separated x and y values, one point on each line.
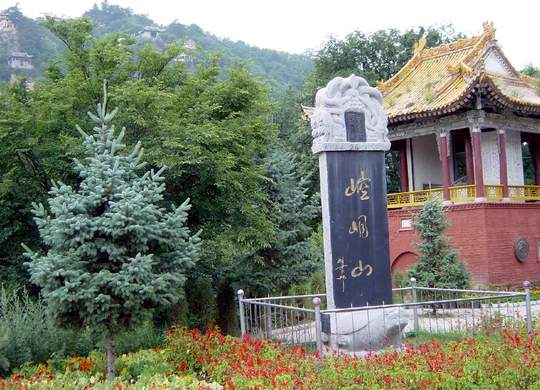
366	330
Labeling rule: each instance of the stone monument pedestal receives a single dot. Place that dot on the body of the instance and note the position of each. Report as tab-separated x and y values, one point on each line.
364	331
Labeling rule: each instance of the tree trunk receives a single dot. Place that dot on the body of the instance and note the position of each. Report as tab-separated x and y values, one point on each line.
111	357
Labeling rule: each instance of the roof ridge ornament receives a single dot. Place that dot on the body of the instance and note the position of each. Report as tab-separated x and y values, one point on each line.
420	45
460	68
489	29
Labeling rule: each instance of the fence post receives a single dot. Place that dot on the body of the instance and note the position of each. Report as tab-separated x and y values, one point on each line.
415	308
268	315
527	286
318	338
241	309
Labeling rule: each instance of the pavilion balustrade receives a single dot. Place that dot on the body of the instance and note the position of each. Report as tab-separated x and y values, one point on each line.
465	194
462	193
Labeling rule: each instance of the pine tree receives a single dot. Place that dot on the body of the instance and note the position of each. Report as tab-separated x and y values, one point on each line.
289	258
438	264
114	254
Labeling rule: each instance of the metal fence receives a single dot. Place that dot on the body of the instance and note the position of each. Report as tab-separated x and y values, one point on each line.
419	311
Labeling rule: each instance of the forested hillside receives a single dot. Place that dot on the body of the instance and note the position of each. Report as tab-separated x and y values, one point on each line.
28	36
276	69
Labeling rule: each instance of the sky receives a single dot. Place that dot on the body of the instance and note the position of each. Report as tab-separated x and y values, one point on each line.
297	25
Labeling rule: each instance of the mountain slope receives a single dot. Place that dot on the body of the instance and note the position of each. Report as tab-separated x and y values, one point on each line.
28	36
278	69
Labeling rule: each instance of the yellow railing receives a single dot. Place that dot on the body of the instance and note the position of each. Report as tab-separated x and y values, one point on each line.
524	192
413	198
493	191
461	194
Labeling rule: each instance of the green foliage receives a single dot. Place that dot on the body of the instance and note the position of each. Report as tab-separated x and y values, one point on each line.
278	69
30	335
113	252
288	259
113	18
399	279
212	130
376	56
438	264
202	310
4	344
532	71
392	165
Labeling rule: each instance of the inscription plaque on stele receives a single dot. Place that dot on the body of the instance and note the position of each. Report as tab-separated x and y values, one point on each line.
355	126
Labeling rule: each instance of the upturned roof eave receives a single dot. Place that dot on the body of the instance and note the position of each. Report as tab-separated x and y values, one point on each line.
494	93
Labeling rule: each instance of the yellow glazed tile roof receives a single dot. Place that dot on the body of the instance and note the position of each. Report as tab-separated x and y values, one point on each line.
441	79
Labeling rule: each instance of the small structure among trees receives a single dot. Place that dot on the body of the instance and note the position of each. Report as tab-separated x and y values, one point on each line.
6	24
114	253
20	60
151	32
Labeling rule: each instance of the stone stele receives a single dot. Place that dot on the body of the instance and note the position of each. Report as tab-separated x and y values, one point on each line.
350	134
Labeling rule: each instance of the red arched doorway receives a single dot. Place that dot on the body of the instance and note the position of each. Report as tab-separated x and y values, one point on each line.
403	262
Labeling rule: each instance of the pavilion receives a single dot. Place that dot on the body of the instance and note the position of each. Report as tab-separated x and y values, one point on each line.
463	101
465	125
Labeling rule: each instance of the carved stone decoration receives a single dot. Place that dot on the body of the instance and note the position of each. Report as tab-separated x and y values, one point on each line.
328	120
366	330
522	250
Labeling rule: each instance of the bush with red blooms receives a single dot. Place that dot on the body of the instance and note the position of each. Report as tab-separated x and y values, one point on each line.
508	359
499	360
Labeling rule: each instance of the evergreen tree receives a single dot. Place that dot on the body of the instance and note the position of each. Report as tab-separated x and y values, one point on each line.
438	265
289	259
114	253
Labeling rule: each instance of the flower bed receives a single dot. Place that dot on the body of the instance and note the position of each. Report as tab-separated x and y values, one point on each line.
194	360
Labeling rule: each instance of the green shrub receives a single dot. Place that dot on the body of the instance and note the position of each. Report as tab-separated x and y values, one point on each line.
29	335
32	334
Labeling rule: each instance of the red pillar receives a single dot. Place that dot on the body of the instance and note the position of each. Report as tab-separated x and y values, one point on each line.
445	168
469	158
403	170
503	174
478	169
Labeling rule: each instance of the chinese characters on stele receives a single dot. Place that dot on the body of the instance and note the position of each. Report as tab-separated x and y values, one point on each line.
358	230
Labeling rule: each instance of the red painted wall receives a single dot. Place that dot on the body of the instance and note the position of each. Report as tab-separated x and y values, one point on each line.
484	234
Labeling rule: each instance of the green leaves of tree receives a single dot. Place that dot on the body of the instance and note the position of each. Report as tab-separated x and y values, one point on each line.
113	252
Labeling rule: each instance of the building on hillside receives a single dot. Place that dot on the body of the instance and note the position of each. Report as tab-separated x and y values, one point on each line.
186	56
465	126
6	24
150	32
20	60
190	44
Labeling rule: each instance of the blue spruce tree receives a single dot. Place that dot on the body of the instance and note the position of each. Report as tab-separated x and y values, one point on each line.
113	252
438	264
